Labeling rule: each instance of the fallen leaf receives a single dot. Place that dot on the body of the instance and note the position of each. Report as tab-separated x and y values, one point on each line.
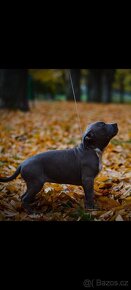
52	125
119	218
107	203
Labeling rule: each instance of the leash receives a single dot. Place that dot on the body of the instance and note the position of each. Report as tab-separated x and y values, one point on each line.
76	107
97	150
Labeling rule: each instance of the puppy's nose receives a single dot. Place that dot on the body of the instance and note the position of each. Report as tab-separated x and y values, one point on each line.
115	127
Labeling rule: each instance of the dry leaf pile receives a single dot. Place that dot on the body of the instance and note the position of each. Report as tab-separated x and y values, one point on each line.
54	125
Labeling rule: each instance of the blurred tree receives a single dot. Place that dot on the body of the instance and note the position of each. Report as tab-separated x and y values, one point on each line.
122	88
30	88
94	85
122	82
100	85
107	81
48	82
13	89
43	90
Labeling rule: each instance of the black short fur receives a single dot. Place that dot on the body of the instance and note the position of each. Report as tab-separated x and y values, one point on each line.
77	166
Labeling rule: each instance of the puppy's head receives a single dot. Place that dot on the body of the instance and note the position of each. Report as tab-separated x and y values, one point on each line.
99	134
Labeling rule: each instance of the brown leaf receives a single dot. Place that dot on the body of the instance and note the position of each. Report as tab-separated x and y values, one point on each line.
106	215
119	218
107	203
53	125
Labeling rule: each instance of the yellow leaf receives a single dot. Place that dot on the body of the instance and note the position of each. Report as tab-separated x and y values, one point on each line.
103	178
107	203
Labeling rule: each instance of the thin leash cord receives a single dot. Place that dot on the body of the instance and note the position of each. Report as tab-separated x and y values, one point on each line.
77	113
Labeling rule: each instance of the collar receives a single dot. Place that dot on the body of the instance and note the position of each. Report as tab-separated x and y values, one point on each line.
98	152
99	155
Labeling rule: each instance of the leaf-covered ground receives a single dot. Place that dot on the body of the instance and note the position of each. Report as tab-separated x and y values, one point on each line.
54	126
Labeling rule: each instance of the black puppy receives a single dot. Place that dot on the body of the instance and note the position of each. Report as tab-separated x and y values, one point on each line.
77	166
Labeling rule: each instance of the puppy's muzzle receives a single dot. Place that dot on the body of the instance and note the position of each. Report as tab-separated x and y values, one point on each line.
114	128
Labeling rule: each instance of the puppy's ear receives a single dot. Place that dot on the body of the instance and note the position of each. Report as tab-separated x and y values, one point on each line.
88	138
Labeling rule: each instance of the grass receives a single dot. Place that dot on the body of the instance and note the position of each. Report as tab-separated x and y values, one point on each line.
119	142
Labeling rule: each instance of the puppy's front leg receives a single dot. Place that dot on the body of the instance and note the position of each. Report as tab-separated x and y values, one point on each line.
88	186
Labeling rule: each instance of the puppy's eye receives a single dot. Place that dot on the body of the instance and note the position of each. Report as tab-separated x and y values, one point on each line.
89	135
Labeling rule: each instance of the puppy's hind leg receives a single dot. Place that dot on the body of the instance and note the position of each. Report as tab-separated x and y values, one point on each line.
29	196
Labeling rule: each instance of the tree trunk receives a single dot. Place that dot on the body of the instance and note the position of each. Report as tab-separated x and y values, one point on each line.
75	74
100	85
106	89
122	89
94	85
13	90
107	80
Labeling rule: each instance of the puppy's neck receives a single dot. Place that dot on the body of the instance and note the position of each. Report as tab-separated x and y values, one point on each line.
98	151
99	154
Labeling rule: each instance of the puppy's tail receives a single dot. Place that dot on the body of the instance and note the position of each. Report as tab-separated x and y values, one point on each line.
6	179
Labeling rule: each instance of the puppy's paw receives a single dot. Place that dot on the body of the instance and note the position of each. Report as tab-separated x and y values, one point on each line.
91	206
